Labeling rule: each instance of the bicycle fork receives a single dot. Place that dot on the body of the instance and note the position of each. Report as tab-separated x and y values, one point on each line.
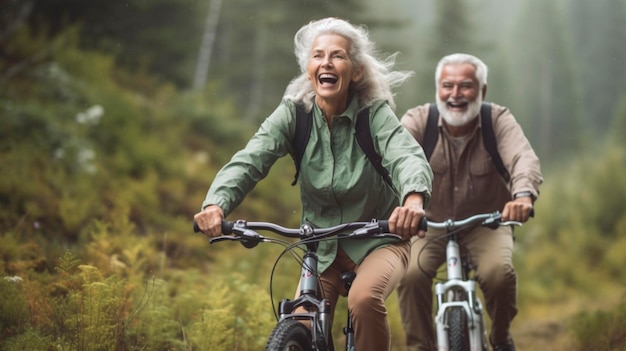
458	293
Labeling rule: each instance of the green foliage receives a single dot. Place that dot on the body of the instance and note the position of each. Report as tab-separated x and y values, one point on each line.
13	307
588	237
98	316
235	316
103	166
153	326
29	340
601	330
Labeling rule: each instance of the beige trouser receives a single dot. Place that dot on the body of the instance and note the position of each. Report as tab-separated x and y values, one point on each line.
491	251
377	277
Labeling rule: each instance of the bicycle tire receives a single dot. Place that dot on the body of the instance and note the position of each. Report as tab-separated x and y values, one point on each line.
458	336
289	335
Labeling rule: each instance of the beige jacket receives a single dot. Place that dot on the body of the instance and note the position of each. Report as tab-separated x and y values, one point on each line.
474	185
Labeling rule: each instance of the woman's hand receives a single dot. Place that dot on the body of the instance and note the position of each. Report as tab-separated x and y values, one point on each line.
210	220
405	220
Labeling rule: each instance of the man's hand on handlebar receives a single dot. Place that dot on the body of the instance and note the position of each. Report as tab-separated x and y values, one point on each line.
518	210
405	219
209	221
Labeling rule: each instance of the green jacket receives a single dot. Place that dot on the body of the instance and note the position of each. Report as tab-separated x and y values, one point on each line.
338	184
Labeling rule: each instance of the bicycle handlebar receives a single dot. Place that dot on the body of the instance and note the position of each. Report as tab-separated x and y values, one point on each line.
491	220
246	232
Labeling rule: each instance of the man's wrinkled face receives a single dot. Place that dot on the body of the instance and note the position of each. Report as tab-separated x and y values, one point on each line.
458	94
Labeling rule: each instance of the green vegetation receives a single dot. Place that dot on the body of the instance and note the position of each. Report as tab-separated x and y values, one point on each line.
103	163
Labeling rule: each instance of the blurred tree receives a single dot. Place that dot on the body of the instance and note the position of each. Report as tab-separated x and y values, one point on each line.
254	47
618	128
545	85
597	29
206	46
453	31
161	36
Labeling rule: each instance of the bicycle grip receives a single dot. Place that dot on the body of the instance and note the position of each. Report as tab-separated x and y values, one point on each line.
384	225
423	224
227	227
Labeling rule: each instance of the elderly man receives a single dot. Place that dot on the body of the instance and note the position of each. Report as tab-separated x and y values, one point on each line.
468	181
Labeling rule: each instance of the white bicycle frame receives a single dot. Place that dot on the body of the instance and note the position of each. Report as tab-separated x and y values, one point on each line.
457	291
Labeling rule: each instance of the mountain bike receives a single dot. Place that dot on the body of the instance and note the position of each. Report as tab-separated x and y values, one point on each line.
459	320
290	333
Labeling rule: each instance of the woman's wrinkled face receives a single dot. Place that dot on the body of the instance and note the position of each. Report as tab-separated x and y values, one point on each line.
331	70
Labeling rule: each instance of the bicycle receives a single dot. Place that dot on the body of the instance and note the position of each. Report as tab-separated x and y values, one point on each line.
290	333
459	320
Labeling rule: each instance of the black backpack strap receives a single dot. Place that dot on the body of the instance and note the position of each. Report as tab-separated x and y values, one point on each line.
489	140
300	138
431	133
364	138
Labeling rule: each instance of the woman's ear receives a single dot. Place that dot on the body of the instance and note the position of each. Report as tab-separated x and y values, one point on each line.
358	74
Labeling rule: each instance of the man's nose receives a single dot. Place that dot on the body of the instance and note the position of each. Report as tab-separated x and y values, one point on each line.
456	92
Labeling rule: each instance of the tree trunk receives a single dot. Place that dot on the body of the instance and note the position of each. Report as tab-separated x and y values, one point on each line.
206	47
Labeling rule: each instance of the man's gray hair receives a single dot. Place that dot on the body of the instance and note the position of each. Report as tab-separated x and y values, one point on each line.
481	68
377	78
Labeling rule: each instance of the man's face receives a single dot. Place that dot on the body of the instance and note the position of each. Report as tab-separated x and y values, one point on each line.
458	94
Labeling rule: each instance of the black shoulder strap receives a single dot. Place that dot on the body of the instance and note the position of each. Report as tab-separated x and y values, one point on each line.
364	138
431	134
300	138
489	140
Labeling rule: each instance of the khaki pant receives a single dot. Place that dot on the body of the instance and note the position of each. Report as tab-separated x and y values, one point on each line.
377	277
491	251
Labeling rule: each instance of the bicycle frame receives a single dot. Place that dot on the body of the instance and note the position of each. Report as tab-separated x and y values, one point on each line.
459	291
460	319
321	316
289	333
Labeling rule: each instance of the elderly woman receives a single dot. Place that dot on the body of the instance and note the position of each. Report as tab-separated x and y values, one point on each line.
340	76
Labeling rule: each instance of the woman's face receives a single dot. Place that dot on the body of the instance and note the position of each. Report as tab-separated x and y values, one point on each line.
331	71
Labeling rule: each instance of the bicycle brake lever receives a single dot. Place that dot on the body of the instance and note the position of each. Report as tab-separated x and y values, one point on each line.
515	223
222	238
246	239
374	229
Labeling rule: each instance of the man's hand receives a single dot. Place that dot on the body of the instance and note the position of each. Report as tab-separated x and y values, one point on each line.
518	210
405	220
210	220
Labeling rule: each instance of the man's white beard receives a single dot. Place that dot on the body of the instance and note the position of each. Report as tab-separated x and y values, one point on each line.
457	119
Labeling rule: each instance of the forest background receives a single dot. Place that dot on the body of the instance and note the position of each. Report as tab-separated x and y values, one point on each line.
114	117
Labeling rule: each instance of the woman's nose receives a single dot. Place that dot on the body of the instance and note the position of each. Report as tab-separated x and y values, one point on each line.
326	61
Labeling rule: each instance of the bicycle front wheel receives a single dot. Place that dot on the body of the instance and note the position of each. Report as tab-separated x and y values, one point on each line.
458	336
289	335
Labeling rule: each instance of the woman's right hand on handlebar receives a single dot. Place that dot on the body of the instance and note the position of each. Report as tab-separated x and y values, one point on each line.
209	220
405	219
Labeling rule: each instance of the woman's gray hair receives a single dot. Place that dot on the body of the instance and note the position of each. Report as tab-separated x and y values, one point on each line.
377	79
481	68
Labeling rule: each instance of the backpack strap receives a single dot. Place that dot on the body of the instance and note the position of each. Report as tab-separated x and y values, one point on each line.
489	140
304	124
300	138
431	133
364	138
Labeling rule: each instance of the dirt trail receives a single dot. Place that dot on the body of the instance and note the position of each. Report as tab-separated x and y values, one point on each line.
534	335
